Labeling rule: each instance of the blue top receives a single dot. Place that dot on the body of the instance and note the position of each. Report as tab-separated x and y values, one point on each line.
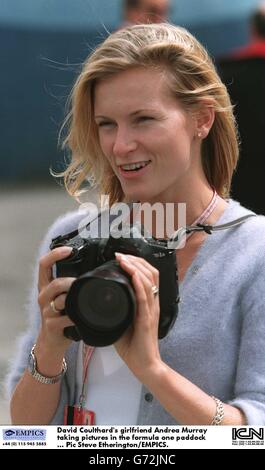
218	340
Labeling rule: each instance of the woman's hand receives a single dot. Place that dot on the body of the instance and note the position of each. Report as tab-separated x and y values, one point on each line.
139	347
53	290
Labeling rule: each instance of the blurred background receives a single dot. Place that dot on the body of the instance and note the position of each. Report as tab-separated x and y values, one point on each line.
43	43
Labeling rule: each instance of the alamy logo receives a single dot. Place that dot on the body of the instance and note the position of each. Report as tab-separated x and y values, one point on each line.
33	434
248	435
158	218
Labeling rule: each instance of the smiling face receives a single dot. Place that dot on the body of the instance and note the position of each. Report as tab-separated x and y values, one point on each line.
141	125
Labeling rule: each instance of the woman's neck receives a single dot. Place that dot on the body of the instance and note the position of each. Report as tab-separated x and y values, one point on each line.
180	212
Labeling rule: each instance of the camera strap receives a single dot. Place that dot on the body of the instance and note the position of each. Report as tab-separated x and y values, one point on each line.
207	228
215	228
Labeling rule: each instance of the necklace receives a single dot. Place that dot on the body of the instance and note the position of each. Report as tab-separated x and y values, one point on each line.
207	212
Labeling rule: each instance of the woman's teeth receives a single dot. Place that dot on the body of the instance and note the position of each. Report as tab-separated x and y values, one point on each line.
135	166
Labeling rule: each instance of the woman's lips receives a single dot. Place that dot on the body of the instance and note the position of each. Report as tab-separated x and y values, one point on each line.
133	173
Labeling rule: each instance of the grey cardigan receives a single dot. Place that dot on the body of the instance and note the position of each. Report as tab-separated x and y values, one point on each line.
218	340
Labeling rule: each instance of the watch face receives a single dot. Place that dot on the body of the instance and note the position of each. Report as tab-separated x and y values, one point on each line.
31	363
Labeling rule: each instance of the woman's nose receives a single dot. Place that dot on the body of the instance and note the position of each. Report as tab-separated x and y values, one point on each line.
123	144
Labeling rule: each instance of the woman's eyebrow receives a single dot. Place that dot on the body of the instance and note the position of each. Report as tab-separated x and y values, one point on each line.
131	114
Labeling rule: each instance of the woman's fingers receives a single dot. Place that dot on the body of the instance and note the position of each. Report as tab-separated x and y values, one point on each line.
46	263
58	303
53	290
151	272
144	277
141	266
139	347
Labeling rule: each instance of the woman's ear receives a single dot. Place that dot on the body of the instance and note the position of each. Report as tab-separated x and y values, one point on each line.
204	117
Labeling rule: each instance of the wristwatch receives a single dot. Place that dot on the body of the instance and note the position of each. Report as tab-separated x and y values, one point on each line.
32	367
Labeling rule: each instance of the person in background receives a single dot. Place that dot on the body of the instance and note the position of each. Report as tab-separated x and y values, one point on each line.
256	46
150	121
145	11
243	72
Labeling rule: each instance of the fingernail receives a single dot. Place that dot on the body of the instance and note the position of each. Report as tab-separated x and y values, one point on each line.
121	256
66	249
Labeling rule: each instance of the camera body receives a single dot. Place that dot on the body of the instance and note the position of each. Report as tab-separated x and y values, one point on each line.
101	301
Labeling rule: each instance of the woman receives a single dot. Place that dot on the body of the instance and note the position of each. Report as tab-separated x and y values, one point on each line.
150	95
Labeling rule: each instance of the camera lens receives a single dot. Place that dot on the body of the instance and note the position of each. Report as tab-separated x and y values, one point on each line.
102	304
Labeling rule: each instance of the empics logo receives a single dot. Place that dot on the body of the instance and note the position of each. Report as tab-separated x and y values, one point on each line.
10	432
248	436
21	434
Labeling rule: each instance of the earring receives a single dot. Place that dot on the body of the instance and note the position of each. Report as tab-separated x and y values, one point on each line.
199	134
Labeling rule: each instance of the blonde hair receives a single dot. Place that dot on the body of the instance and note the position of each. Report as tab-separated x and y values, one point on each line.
193	81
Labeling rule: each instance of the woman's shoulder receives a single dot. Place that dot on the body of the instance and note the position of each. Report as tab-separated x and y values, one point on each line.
252	225
64	224
245	242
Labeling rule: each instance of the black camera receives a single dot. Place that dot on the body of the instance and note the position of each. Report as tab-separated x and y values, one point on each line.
101	301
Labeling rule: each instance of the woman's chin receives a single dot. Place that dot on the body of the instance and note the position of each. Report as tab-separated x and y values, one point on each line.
138	196
142	194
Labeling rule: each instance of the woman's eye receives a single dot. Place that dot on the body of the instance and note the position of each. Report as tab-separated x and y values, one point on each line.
144	118
104	123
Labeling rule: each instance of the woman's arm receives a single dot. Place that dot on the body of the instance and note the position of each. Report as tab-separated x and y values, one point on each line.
34	402
183	400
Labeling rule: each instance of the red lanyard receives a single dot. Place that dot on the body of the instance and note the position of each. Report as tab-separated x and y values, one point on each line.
86	354
78	414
